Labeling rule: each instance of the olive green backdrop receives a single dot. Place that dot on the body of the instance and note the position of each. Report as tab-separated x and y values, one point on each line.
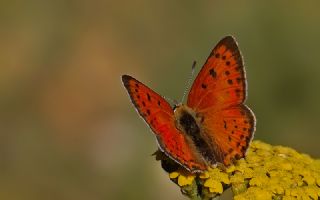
67	127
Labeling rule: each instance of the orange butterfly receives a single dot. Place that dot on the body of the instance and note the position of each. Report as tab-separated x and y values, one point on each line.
214	126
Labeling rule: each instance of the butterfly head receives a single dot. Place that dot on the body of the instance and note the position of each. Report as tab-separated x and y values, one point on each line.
175	106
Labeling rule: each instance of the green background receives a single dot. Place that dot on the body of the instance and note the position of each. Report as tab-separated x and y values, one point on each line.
67	127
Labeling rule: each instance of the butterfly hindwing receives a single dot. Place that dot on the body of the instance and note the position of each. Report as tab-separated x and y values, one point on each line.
158	114
231	130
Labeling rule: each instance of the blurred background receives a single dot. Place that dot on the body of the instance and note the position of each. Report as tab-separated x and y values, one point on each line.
67	127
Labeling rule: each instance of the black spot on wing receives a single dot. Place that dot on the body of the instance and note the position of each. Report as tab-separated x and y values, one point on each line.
213	73
238	91
238	144
243	148
149	98
204	86
239	80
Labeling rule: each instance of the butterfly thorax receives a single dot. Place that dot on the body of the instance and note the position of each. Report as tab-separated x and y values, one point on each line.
186	120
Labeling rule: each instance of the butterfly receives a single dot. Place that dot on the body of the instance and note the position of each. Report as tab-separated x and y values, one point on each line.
214	126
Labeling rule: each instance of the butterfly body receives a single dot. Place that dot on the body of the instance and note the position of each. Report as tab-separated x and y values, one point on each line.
190	124
214	126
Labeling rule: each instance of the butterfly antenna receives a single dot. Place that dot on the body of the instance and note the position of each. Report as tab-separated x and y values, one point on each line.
171	101
189	80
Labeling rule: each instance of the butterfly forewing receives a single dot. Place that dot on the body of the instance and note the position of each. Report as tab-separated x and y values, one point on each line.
158	114
221	81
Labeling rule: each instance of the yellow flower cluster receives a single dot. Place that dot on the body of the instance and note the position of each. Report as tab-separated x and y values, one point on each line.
267	172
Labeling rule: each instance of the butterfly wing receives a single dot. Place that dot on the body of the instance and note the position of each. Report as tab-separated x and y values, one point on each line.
218	94
221	81
231	130
158	114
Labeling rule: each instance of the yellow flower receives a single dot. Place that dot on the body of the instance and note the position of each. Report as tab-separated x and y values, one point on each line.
184	178
219	175
214	186
312	191
259	181
173	175
237	178
267	172
231	169
310	180
285	166
254	193
318	181
214	178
